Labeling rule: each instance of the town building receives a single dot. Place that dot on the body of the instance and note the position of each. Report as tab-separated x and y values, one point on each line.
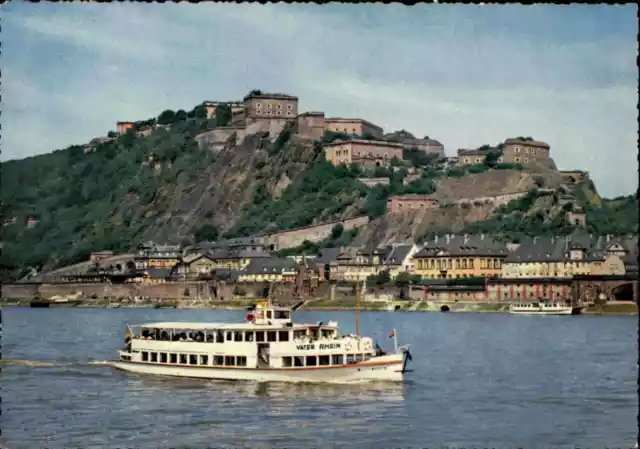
560	257
310	125
576	217
356	264
477	156
353	126
525	152
211	107
428	146
406	203
232	259
152	255
123	127
366	153
269	270
460	256
195	266
268	106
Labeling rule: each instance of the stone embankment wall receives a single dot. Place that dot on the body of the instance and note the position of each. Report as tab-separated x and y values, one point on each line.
295	237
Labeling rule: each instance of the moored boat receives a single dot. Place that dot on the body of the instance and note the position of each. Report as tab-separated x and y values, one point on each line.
268	346
543	308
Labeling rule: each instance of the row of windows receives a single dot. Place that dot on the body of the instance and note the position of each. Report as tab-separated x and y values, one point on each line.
322	360
270	106
278	113
526	150
193	359
219	336
459	264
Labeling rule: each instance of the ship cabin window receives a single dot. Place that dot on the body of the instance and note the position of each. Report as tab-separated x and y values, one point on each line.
218	360
282	314
193	359
229	336
326	333
173	358
351	358
314	333
324	360
283	336
145	356
219	337
337	359
269	314
241	360
312	360
229	360
298	361
299	334
287	362
204	360
237	336
154	357
248	336
163	357
183	359
272	336
260	336
359	358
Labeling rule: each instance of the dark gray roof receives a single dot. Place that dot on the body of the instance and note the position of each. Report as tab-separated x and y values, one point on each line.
158	273
327	255
397	254
270	265
461	245
240	254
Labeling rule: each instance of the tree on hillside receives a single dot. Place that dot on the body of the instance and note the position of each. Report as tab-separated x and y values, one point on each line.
337	230
200	112
112	134
207	231
181	115
166	117
223	114
491	158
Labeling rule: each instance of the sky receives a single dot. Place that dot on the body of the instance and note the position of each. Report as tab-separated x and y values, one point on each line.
466	75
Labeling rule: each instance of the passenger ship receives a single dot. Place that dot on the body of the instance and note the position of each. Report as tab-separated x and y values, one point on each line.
267	347
543	308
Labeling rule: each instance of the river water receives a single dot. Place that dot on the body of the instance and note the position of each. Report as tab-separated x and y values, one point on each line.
478	379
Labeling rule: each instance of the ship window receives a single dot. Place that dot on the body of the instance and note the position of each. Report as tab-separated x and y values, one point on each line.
326	333
359	358
229	360
163	357
204	359
299	334
298	361
269	314
351	358
218	360
145	356
287	362
183	359
241	360
229	336
219	337
238	336
154	357
260	336
282	314
193	359
271	336
337	359
283	336
324	360
312	360
173	358
248	336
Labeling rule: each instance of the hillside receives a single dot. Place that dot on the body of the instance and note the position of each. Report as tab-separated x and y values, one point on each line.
164	187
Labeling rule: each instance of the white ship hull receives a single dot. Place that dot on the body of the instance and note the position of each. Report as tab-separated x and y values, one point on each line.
542	312
383	368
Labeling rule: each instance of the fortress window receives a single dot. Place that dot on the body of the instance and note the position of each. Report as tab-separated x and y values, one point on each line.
218	360
312	360
163	357
337	359
193	359
287	362
204	359
241	360
289	113
173	358
289	106
324	360
517	159
145	356
526	159
278	106
154	357
183	359
229	360
258	105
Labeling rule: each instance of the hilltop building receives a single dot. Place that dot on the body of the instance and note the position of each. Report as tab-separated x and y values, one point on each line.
404	203
525	152
366	153
353	126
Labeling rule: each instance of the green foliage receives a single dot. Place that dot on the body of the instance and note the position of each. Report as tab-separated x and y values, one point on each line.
418	158
508	166
375	204
166	117
337	230
491	158
207	231
181	115
223	114
380	279
330	136
479	168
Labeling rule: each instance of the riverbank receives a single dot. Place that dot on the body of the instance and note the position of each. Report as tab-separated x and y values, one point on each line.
613	308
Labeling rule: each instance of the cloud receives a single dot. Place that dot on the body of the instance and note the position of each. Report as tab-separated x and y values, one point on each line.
466	75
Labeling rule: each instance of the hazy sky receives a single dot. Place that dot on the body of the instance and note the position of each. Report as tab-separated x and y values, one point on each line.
463	74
